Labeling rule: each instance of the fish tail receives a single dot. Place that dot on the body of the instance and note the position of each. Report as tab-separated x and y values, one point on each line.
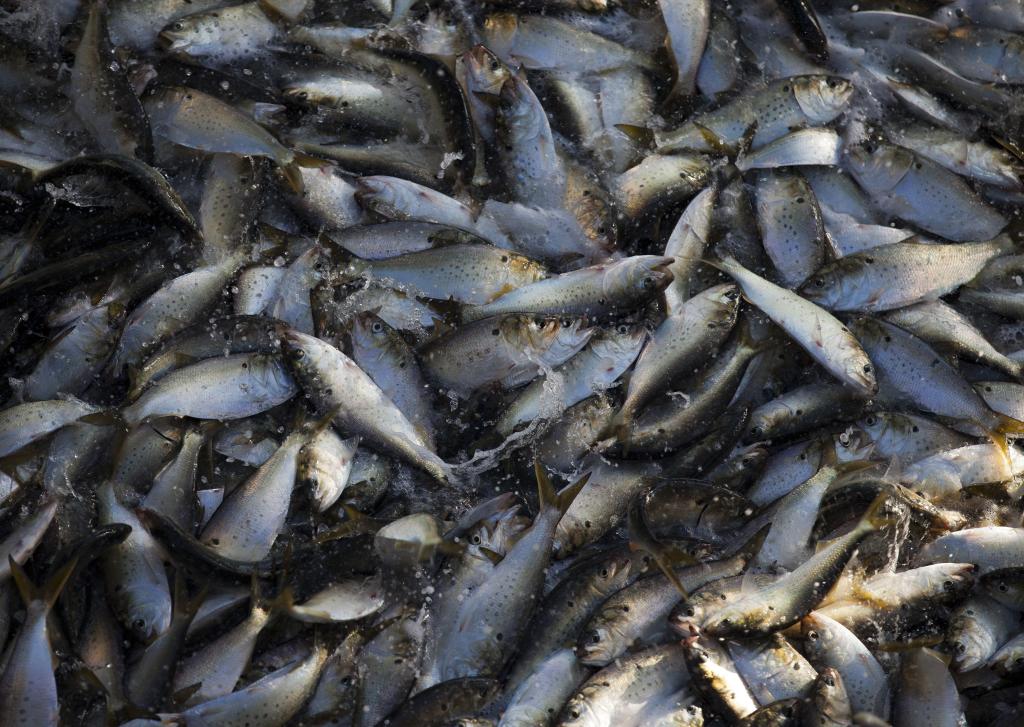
664	556
185	607
50	591
293	175
547	495
1008	425
875	518
640	134
620	427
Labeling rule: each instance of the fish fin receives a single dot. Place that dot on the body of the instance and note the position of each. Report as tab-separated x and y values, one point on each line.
181	697
318	426
185	607
874	518
50	591
547	497
26	588
310	162
749	549
356	523
666	557
568	493
1009	425
446	547
293	176
136	387
491	555
640	134
747	140
105	418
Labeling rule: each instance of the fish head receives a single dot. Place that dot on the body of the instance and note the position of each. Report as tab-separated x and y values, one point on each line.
818	633
499	532
1005	587
187	36
614	575
687	617
383	195
830	697
826	287
969	646
484	71
822	98
640	276
148	617
523	268
304	91
878	167
302	352
500	30
371	333
603	641
583	710
738	620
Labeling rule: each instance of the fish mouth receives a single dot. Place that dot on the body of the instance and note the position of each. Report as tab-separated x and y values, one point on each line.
171	42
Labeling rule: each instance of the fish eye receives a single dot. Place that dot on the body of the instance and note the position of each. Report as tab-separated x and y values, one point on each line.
604	573
622	329
178	26
297	354
867	368
812	635
831	83
476	540
870	421
948	585
1003	588
869	148
377	327
595	637
647	282
495	66
819	282
829	681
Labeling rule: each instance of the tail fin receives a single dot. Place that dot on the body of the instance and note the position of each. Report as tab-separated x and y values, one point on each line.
50	591
546	490
873	518
186	608
665	557
356	523
293	175
640	134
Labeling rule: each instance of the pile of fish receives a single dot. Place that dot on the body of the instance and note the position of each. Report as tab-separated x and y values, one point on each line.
592	363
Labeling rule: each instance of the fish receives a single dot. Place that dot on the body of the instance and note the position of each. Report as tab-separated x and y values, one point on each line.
194	119
918	190
793	596
822	335
773	111
594	292
863	281
103	98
